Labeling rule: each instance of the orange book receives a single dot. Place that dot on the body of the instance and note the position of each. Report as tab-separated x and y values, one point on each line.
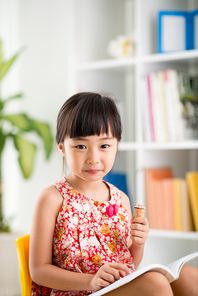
177	202
186	214
168	204
153	200
158	204
192	182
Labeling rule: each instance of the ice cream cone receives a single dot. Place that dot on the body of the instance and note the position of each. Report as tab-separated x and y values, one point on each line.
139	211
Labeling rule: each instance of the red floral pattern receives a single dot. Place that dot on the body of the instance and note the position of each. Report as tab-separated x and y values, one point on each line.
88	234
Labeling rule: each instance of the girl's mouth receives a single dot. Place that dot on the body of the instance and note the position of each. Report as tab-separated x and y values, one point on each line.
92	172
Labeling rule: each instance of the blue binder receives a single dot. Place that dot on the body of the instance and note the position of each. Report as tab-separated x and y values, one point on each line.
120	181
188	33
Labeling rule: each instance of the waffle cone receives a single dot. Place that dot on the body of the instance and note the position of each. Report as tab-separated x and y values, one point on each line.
139	212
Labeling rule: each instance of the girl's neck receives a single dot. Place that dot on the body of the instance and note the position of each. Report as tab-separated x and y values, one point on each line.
96	190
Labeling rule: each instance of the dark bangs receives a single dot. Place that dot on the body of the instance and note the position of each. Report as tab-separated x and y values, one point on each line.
88	114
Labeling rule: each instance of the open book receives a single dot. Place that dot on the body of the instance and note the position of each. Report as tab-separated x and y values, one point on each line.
171	272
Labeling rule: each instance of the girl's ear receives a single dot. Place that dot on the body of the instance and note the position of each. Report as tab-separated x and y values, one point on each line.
61	148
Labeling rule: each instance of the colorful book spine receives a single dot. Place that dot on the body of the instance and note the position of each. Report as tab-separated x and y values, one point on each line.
170	203
186	214
151	108
146	118
160	77
163	106
153	193
192	182
177	204
169	107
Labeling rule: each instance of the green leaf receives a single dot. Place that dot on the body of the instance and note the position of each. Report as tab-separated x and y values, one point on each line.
1	53
44	131
20	120
17	96
27	152
5	66
4	102
2	141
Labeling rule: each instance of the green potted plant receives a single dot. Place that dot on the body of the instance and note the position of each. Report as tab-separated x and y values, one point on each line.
16	127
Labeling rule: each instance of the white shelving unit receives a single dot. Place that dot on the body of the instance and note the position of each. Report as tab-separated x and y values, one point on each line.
96	23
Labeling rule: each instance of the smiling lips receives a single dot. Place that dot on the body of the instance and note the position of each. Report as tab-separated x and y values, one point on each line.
92	172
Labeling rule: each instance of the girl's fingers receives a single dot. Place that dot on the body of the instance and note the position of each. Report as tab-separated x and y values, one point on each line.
120	267
140	220
113	271
109	277
103	283
122	273
139	229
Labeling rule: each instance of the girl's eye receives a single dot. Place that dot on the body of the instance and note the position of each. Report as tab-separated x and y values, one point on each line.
105	146
81	147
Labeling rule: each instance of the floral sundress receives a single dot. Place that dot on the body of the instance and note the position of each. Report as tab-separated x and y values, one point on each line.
88	234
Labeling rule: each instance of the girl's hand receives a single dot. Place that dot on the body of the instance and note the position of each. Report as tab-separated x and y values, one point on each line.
107	274
139	230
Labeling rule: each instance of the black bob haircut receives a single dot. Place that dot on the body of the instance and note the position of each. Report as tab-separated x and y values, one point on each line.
87	114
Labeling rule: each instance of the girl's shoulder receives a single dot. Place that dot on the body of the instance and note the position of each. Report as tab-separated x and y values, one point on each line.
49	199
49	192
125	201
63	187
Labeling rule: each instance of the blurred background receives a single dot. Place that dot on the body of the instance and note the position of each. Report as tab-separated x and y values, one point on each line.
73	45
42	73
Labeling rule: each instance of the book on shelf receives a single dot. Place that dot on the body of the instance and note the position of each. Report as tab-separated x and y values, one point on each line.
154	202
178	107
167	197
156	107
146	116
170	271
163	107
150	110
177	30
186	212
177	204
183	214
167	200
192	181
170	106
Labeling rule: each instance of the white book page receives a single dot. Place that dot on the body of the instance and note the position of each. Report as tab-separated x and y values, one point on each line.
177	265
173	33
152	267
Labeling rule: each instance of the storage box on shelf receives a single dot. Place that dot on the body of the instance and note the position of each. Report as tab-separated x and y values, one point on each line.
95	71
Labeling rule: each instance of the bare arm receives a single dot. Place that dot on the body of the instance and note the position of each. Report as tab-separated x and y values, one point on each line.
139	233
42	271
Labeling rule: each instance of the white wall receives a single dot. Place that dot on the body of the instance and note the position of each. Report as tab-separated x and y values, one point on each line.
44	74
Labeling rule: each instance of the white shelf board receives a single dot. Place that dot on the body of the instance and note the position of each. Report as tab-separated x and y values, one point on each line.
183	145
107	64
128	62
174	56
161	233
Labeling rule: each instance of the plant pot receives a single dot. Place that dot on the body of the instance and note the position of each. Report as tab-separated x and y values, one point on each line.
9	270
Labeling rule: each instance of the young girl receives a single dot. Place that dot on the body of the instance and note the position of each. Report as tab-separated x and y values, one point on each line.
83	237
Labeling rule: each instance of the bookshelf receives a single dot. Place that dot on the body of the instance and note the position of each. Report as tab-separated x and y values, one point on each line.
125	63
96	23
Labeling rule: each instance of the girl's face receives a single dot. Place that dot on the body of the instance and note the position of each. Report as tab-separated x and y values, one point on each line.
90	158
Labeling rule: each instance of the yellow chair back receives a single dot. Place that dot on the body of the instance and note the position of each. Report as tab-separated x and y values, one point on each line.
22	246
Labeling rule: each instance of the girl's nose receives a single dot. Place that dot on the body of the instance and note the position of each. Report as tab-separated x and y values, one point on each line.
93	157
